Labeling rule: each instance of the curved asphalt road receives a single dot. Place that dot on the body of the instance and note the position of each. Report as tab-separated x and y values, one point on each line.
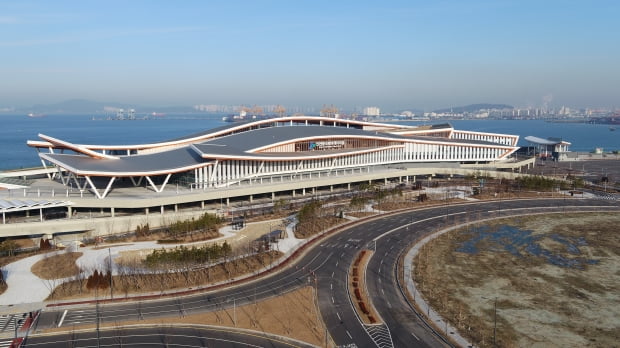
168	336
406	328
325	266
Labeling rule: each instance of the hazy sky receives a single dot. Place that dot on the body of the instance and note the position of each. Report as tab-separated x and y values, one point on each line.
392	54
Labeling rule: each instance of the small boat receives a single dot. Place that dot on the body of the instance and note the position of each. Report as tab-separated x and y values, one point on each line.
32	114
612	128
235	118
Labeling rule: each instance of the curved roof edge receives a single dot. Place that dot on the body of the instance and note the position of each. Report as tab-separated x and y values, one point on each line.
212	133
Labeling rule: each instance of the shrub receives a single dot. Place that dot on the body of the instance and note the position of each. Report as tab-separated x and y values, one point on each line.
98	280
362	305
358	294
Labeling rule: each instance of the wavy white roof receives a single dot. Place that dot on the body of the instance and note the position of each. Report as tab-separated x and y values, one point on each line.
244	141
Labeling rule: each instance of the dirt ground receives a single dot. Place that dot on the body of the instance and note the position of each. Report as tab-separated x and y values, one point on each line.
303	231
294	315
57	266
549	280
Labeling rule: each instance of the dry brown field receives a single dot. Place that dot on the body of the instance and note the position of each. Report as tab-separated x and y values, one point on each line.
545	280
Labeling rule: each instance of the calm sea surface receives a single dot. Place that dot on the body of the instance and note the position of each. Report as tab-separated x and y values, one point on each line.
15	130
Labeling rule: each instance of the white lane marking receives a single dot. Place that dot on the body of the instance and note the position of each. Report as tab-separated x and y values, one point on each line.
62	318
416	337
338	314
332	274
389	304
383	292
333	299
331	286
351	337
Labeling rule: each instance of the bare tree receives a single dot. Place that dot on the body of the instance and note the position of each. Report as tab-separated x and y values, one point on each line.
119	331
71	342
50	284
80	279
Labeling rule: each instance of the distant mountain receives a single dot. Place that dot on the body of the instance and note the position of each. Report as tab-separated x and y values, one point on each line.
73	106
82	106
474	108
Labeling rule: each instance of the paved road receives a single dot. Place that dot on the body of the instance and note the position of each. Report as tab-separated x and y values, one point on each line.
326	267
406	329
177	336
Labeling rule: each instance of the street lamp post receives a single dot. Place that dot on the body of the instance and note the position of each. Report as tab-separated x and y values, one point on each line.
446	207
494	321
97	318
110	265
499	204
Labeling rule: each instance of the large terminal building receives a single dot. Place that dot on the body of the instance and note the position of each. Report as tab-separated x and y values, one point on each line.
265	158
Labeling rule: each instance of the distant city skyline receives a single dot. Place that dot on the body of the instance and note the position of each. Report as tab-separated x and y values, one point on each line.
394	55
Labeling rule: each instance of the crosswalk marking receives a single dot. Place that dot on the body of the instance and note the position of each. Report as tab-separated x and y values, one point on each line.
5	343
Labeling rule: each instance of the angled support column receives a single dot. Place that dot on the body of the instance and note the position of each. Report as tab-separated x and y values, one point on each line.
49	175
213	176
73	178
133	181
158	190
94	188
77	182
62	178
